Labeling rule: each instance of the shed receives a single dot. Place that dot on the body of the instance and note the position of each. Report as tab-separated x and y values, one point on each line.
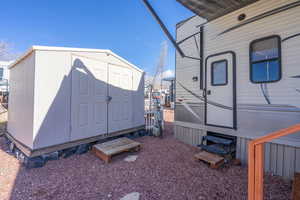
61	97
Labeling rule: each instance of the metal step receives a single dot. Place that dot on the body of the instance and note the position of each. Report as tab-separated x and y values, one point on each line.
218	140
214	148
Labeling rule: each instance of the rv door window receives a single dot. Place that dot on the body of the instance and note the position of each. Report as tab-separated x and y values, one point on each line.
219	73
265	60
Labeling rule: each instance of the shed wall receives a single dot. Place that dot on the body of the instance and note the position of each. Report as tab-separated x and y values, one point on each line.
52	98
52	121
21	101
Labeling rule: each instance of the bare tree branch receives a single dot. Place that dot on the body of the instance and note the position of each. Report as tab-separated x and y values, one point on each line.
6	51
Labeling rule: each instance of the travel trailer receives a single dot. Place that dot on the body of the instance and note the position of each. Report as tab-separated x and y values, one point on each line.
63	97
238	76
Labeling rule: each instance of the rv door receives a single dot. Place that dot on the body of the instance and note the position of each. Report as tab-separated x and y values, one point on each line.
220	87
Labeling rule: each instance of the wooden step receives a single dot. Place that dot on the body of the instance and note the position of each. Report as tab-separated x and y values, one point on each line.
214	160
296	187
108	149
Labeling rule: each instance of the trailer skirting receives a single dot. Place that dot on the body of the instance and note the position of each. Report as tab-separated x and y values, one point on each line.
281	160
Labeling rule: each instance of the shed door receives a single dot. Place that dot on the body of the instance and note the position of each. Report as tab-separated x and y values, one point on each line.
120	91
220	90
88	99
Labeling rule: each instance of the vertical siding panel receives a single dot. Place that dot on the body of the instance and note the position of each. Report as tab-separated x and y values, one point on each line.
182	134
238	148
289	162
297	166
179	133
198	135
186	135
273	163
267	156
193	136
190	136
246	151
243	151
280	160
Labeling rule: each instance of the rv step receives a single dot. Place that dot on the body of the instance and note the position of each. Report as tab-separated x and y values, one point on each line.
218	140
296	187
215	161
214	148
107	149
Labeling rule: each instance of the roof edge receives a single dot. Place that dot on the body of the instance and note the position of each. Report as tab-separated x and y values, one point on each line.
54	48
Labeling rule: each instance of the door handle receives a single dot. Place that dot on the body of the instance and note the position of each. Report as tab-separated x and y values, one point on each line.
208	92
108	99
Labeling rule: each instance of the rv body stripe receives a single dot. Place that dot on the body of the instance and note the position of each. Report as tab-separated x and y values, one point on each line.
290	37
188	37
201	98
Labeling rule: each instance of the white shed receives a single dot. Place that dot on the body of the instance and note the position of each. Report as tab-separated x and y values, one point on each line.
62	97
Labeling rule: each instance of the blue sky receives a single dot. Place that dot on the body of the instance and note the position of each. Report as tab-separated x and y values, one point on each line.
124	26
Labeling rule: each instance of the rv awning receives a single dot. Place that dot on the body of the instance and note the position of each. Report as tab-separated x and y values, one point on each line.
212	9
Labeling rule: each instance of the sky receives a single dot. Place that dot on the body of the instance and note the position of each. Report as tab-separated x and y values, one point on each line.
123	26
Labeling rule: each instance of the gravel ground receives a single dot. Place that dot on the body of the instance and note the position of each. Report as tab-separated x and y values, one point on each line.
164	170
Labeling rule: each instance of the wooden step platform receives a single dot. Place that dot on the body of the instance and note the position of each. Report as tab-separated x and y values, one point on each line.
296	187
214	160
107	149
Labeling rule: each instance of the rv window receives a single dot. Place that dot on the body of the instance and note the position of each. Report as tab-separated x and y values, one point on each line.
219	73
265	61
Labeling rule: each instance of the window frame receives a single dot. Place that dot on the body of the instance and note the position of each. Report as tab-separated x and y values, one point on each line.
212	72
265	60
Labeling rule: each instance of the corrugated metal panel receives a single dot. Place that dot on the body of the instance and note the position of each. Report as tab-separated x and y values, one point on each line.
297	160
188	135
280	160
289	161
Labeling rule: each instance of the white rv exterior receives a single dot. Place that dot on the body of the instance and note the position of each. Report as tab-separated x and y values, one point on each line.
240	106
61	95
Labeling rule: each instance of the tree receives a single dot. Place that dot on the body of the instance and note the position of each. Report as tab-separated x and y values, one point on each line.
6	51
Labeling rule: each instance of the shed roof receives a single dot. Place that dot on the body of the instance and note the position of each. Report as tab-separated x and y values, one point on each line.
212	9
52	48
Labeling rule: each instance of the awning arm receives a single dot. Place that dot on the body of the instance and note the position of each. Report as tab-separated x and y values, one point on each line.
164	28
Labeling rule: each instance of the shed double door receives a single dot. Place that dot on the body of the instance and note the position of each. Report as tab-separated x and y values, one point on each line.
100	98
120	109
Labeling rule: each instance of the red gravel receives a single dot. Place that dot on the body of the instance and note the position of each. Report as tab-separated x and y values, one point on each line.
164	169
